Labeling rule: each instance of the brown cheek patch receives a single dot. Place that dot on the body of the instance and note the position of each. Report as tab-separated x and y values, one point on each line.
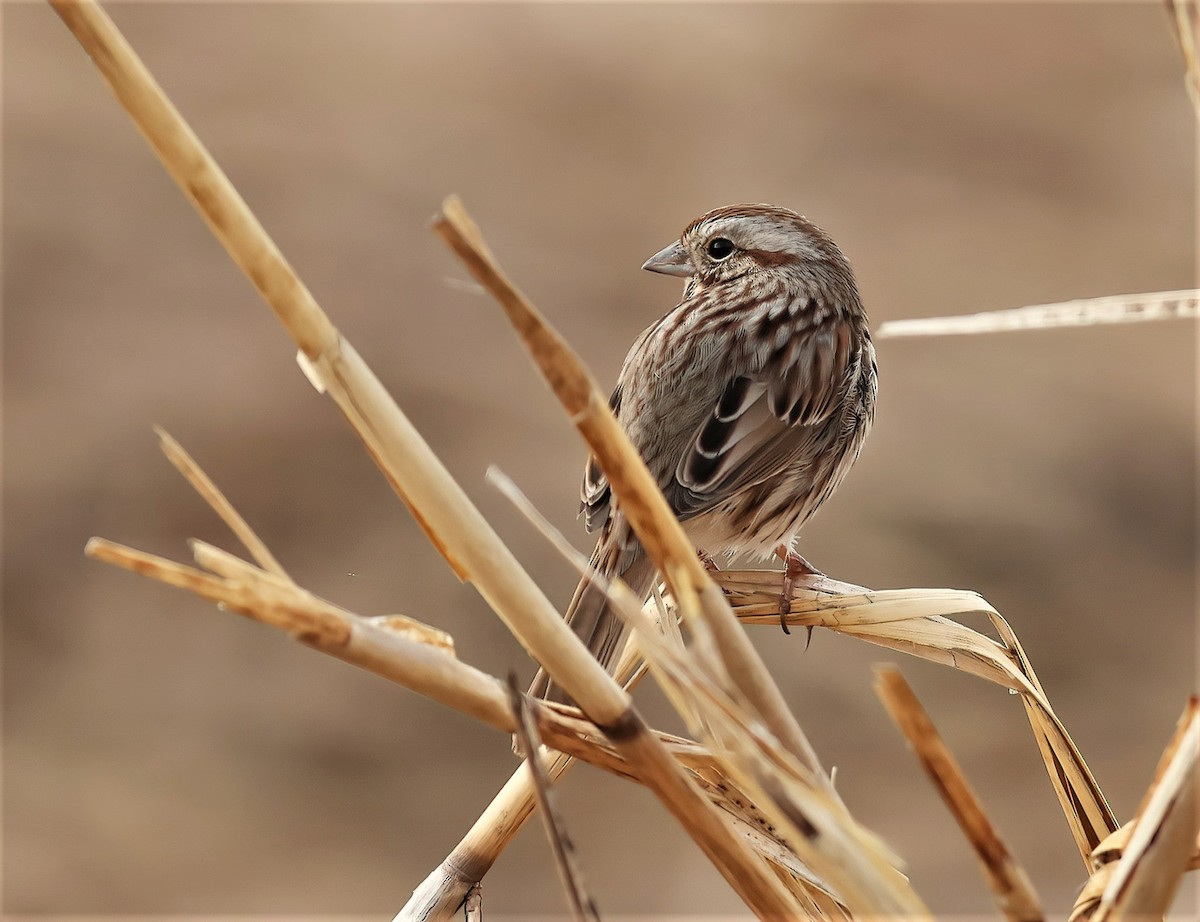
770	260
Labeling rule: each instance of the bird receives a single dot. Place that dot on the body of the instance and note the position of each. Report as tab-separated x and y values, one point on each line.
748	401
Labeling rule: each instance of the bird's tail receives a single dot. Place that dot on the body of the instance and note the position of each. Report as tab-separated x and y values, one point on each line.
591	616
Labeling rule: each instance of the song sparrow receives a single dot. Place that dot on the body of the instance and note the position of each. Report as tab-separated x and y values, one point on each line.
749	401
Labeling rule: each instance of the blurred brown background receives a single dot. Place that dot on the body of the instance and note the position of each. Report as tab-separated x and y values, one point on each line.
160	756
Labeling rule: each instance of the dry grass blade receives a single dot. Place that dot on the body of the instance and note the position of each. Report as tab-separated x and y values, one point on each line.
1159	305
1008	881
1090	818
218	503
1108	855
915	621
641	500
583	907
269	600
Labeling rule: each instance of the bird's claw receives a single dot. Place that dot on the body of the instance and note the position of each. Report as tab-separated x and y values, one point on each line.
795	567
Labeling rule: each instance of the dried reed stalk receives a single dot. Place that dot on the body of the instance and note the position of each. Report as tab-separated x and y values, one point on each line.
1006	879
452	523
723	696
443	891
473	905
438	503
1183	21
1138	868
1159	305
583	907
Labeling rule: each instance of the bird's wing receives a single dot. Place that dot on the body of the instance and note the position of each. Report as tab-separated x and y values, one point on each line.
764	421
595	493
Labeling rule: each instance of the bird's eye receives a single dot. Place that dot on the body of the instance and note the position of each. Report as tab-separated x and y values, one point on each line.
720	247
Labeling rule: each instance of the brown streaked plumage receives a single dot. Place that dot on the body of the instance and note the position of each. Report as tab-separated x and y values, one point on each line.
749	401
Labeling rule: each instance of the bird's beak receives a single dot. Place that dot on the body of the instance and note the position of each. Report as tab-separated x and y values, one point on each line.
672	260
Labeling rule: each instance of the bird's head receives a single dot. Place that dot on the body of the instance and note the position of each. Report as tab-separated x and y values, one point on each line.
737	240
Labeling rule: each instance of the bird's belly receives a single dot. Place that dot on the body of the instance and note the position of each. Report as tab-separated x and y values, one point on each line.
760	518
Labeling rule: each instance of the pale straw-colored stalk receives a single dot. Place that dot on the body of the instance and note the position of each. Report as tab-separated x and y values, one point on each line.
1158	305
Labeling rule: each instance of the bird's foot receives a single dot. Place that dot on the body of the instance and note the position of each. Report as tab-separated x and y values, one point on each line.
795	567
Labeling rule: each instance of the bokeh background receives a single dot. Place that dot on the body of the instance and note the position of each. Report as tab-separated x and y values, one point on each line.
163	757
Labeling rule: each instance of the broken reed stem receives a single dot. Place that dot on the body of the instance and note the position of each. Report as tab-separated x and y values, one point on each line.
1005	877
443	890
641	499
425	668
473	905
